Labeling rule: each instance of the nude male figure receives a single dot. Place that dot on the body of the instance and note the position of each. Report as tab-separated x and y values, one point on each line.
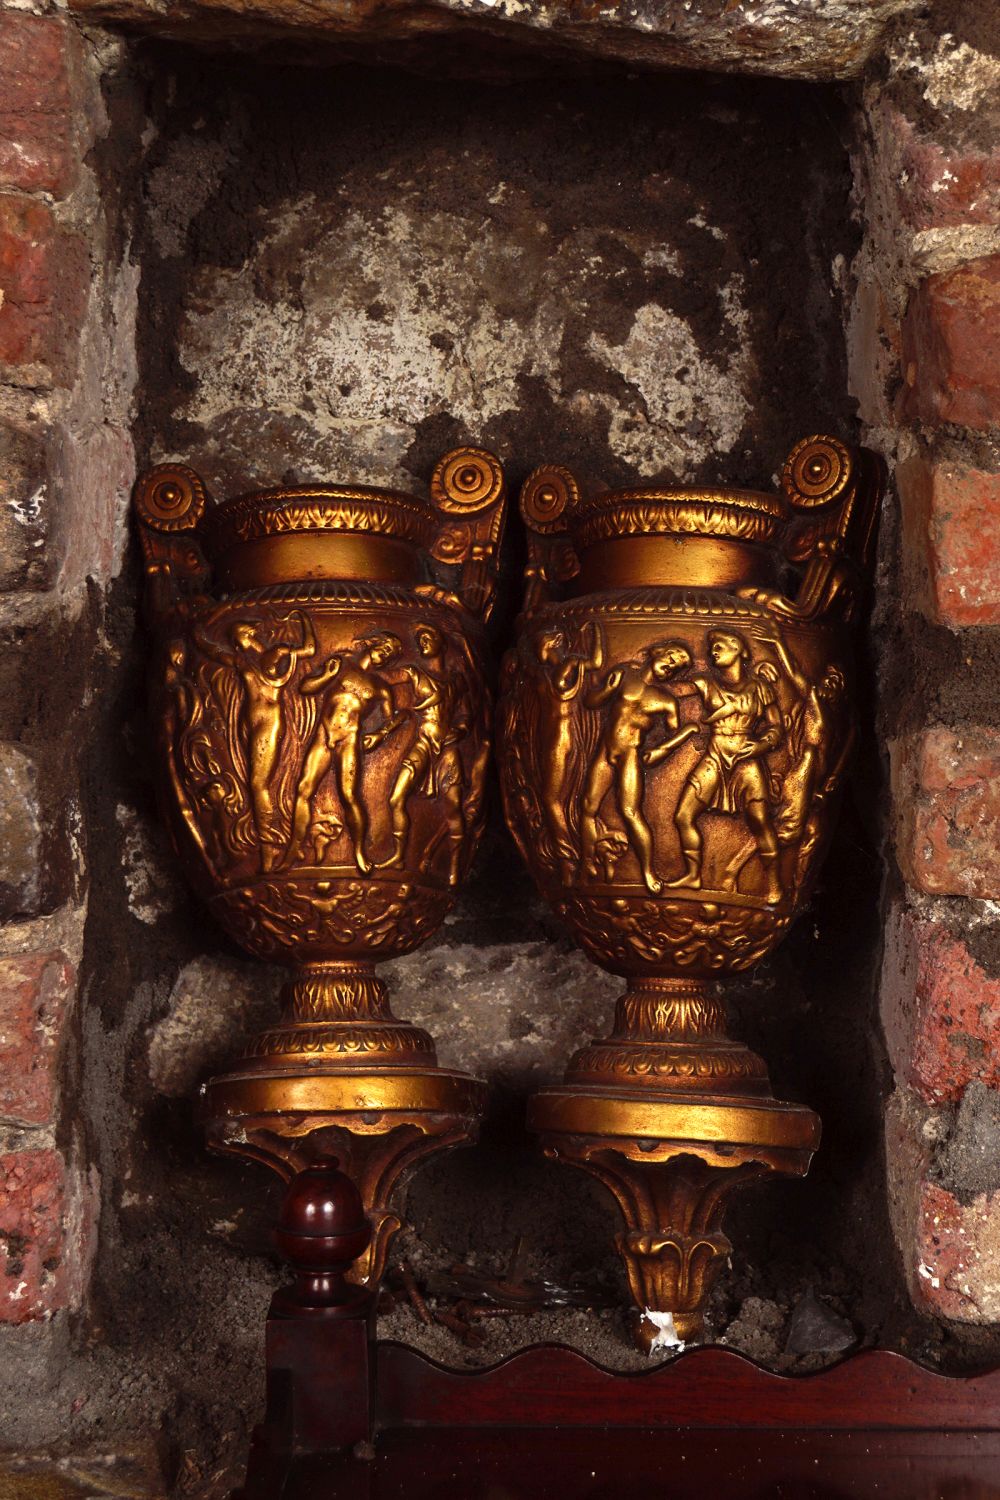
745	724
352	689
431	764
264	667
637	695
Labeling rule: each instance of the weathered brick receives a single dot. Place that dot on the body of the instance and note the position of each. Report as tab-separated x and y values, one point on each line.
25	560
36	991
36	106
947	1230
940	1011
951	347
20	834
957	1255
951	541
946	795
44	272
33	1269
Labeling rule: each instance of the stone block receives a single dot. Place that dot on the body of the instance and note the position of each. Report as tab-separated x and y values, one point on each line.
20	834
946	796
819	41
94	471
36	991
25	560
36	109
44	274
939	186
951	334
215	1005
940	1011
951	541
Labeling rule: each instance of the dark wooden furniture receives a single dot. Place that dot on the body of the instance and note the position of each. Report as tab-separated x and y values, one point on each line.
349	1419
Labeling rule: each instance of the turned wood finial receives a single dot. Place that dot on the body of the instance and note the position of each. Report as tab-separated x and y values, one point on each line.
321	1231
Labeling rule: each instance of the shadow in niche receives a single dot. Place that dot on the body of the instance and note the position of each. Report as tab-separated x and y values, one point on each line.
347	270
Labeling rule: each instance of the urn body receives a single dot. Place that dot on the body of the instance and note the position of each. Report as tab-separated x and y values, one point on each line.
323	725
674	727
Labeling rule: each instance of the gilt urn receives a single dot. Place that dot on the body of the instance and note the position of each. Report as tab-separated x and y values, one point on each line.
322	727
676	721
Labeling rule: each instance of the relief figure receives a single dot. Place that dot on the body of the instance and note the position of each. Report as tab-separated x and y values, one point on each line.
182	715
352	690
635	696
744	721
560	677
813	731
431	766
264	666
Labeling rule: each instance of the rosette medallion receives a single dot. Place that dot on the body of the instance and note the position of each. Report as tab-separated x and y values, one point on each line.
675	723
322	727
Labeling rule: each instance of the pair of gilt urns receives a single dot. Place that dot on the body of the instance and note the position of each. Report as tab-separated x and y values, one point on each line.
673	728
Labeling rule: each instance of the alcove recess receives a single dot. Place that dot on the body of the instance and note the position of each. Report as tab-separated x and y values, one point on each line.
354	254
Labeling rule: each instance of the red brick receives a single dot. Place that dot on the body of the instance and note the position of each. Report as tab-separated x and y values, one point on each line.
35	993
956	1271
951	347
34	1276
43	277
940	1011
937	186
946	792
951	541
36	107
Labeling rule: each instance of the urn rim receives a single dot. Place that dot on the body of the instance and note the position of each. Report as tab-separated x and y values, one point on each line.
657	510
258	515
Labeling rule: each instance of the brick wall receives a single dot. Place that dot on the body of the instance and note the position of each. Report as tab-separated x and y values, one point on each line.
926	357
65	470
80	890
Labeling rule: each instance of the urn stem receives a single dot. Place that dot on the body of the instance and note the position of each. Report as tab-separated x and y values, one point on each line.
661	1009
336	992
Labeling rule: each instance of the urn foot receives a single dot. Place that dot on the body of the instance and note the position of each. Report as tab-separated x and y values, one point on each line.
669	1035
336	1016
671	1161
380	1125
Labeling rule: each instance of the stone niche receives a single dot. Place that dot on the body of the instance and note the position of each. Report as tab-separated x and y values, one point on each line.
328	241
347	270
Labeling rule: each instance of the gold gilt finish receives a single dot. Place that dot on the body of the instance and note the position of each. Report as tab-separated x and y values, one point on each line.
322	725
674	729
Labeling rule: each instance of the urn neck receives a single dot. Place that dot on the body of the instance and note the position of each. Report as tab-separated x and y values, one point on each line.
673	562
314	556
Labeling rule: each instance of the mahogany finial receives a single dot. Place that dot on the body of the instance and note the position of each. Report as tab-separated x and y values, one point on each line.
321	1231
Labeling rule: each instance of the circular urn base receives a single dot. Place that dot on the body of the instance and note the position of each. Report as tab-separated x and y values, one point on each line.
644	1122
376	1102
